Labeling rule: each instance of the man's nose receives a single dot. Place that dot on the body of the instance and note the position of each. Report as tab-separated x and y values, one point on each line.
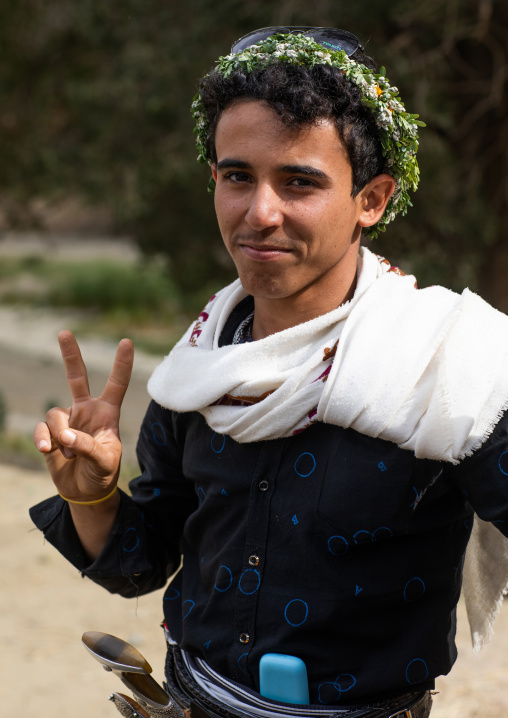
265	208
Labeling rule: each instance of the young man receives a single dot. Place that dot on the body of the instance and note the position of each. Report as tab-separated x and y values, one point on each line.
320	437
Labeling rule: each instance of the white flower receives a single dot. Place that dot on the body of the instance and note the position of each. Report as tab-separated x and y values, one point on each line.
324	56
395	105
371	93
385	119
361	83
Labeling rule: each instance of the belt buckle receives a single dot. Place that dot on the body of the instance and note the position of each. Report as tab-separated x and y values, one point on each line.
404	713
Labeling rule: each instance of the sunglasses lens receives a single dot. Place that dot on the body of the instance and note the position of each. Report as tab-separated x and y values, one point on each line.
252	38
336	39
328	37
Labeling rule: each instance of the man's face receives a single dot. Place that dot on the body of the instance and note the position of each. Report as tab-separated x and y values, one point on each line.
284	205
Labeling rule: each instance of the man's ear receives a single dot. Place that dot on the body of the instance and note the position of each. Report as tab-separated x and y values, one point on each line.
374	198
214	171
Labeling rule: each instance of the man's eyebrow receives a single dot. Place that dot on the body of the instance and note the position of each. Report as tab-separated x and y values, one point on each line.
304	170
228	162
307	170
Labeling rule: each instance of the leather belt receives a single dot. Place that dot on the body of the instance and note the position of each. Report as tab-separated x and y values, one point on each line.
200	704
419	709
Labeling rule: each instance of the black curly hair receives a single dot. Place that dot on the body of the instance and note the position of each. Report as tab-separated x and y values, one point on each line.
302	96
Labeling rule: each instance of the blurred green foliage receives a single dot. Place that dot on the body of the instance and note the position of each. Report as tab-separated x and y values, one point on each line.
111	286
110	298
95	103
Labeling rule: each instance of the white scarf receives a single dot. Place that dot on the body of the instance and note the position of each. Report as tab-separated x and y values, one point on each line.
425	369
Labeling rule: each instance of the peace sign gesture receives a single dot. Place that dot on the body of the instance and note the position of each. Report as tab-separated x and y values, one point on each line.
82	444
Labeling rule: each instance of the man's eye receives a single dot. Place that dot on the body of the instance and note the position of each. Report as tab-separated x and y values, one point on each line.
302	182
237	177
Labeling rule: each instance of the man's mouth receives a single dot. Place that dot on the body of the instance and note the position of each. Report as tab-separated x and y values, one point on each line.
263	252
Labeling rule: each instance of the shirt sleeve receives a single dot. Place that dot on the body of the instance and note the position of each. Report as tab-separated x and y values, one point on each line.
483	477
144	546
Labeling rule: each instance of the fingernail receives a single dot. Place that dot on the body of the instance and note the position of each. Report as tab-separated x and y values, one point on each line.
42	444
68	437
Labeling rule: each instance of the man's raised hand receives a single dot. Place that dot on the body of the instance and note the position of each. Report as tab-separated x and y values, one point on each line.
82	444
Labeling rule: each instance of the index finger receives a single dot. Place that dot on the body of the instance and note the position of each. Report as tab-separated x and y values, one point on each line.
120	375
75	369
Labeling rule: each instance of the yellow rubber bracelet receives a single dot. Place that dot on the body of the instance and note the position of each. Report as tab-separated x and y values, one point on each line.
88	503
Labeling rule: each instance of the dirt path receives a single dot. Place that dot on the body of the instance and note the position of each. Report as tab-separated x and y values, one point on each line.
45	606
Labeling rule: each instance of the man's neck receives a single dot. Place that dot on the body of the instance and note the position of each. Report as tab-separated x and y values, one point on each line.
275	315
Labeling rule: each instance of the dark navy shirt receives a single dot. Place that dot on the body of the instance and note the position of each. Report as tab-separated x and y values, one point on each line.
343	550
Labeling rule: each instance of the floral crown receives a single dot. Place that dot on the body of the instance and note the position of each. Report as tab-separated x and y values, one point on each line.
398	130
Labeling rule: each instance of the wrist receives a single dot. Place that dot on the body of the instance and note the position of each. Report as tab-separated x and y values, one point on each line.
92	512
91	502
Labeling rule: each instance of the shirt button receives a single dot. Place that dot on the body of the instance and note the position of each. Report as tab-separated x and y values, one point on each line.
253	560
263	485
244	638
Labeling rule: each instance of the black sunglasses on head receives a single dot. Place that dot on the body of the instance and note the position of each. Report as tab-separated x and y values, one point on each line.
329	37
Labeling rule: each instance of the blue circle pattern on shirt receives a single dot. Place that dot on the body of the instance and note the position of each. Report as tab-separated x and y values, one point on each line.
159	434
331	691
220	581
416	671
364	536
128	536
189	600
251	581
294	608
305	466
243	659
414	589
337	545
215	444
503	463
171	594
382	531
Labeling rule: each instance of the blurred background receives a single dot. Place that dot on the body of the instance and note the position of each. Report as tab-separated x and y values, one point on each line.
106	228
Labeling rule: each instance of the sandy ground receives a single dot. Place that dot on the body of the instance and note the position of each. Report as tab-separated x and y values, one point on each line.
45	606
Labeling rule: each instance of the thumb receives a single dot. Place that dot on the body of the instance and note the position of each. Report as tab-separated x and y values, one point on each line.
77	443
